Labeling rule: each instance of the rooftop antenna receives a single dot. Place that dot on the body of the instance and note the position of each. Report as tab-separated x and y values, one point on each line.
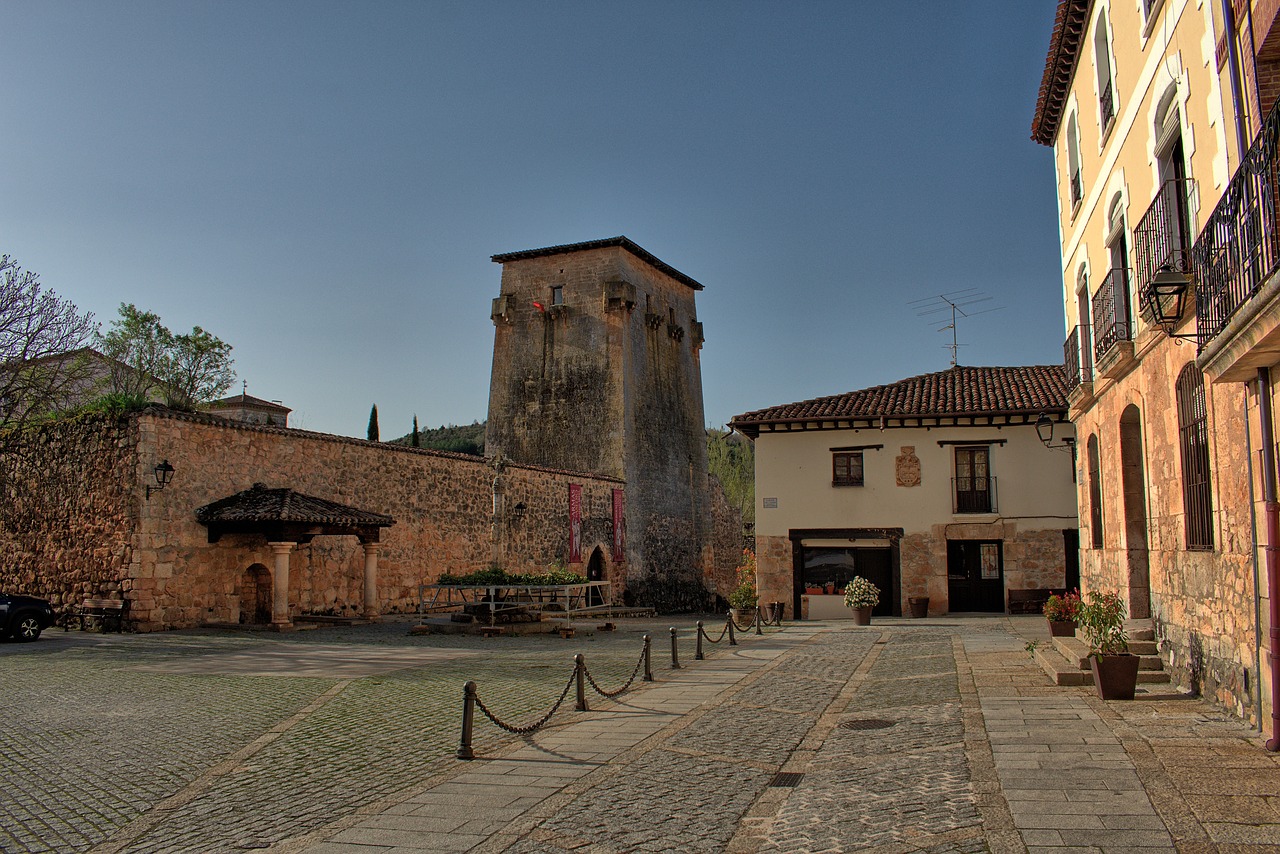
958	304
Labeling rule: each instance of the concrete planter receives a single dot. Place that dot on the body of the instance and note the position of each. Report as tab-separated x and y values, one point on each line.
919	606
1115	676
861	616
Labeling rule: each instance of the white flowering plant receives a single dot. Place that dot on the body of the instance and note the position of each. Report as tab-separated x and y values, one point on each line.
860	593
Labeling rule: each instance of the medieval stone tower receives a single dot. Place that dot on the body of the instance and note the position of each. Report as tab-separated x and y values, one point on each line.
596	369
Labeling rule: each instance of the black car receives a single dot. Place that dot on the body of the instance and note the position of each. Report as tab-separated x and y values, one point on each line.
23	618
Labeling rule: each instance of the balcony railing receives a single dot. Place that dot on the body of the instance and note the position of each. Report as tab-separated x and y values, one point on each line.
1238	251
1162	238
1079	361
1108	105
1111	313
973	494
1077	188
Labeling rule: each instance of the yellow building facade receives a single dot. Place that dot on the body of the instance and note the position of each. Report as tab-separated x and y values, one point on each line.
1146	105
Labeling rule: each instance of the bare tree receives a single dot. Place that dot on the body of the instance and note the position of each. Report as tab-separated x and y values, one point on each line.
43	366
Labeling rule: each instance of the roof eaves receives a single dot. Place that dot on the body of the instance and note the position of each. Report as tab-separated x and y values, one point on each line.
1059	68
608	242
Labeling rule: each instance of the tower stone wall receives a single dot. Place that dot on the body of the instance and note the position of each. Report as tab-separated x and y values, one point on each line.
596	369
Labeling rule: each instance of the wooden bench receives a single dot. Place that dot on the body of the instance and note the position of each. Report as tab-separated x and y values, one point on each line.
1030	601
106	611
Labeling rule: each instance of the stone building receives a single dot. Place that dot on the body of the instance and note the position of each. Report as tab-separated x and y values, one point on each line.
252	410
936	486
1167	221
596	369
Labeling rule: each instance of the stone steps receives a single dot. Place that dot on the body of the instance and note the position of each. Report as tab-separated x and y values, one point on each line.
1066	660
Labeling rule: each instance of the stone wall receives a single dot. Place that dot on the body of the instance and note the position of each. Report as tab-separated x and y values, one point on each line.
68	509
443	505
1202	603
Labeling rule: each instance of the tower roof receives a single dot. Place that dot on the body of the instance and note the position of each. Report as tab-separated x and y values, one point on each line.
608	242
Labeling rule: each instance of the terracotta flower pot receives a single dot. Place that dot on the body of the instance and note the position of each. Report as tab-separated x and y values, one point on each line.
1115	676
919	606
1062	628
861	616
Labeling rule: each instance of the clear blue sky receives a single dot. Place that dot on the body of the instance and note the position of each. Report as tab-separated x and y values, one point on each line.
321	184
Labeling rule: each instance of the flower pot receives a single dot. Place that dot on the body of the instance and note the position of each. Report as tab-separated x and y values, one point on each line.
743	615
1062	628
861	616
1115	676
919	606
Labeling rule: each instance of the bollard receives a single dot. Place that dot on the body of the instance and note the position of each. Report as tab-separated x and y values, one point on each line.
675	653
579	669
697	655
468	719
759	630
648	671
732	640
777	613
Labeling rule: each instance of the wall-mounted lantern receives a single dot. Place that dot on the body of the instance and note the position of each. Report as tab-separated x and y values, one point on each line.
1044	429
164	474
1167	299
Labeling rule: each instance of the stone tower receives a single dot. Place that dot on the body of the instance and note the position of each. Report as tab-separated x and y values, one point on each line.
596	369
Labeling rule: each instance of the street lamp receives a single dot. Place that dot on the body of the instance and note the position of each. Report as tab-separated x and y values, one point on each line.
164	474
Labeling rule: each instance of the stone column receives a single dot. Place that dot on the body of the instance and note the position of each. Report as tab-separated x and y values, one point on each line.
371	580
280	587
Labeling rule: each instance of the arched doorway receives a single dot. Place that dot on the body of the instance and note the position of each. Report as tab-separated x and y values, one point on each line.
595	572
1133	478
255	595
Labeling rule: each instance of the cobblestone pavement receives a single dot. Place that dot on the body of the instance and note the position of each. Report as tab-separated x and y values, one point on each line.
932	736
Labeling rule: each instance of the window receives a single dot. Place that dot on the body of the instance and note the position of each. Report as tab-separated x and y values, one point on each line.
1095	492
1193	437
974	486
1084	323
1106	87
1118	248
846	468
1073	163
557	295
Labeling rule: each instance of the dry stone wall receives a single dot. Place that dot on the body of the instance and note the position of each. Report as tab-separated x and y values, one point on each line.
68	509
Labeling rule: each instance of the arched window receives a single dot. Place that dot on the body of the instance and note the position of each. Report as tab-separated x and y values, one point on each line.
1084	323
1106	87
1073	162
1095	491
1193	438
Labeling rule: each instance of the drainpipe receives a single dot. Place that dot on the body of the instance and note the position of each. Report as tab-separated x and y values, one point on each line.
1229	16
1272	547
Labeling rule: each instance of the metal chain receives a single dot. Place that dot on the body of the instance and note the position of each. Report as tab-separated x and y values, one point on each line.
525	730
724	631
611	694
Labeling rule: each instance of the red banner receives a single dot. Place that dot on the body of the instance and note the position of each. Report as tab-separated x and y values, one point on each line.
619	528
575	523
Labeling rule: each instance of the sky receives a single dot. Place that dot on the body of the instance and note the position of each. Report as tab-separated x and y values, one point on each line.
322	184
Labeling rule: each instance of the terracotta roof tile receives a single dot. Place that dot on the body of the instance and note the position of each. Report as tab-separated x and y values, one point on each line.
260	504
958	391
1059	68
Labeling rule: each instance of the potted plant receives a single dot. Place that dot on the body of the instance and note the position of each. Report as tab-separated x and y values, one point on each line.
860	596
1060	611
1115	669
743	599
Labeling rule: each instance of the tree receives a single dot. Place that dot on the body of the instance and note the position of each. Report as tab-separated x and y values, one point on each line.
198	369
731	459
41	371
373	423
139	345
415	441
149	360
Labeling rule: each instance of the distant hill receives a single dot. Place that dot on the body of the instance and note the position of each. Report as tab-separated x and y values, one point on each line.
465	439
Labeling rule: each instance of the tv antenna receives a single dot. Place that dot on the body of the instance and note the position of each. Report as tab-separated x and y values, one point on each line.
958	304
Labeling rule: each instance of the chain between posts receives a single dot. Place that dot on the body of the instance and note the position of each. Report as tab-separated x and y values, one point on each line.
630	680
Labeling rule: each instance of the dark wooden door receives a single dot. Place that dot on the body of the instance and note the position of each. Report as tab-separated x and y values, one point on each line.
975	576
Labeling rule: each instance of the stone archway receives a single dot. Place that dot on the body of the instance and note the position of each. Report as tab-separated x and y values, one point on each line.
1134	485
255	595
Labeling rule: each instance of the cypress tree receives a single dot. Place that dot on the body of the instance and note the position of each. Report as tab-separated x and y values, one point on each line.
373	423
414	441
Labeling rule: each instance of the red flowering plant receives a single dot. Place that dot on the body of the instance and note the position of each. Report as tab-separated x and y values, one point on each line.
1062	609
745	595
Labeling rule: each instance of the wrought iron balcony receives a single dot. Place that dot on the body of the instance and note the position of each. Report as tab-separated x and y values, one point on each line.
1111	313
1162	244
973	495
1077	188
1079	361
1108	105
1238	250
